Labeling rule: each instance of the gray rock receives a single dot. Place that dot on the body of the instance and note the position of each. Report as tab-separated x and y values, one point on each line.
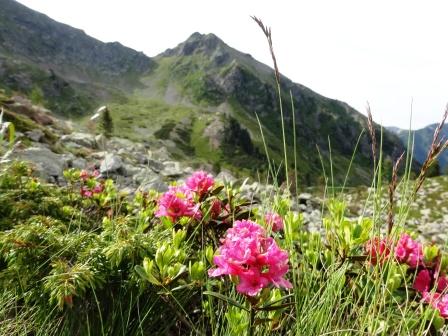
155	165
122	151
98	155
171	169
49	166
143	174
118	143
35	135
79	163
132	170
112	164
161	154
147	180
77	140
188	171
72	161
303	197
101	141
153	182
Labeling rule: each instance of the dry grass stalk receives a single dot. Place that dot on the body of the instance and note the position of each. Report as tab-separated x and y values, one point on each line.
392	188
268	34
372	133
437	147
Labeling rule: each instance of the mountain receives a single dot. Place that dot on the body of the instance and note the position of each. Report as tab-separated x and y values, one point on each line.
200	99
70	70
422	142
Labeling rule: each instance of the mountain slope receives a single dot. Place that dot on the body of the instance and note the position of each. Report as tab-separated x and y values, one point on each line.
203	100
422	142
68	68
225	87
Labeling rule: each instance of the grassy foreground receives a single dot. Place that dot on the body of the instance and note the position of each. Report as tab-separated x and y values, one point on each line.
84	259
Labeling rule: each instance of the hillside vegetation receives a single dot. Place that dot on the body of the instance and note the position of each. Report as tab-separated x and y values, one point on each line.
203	96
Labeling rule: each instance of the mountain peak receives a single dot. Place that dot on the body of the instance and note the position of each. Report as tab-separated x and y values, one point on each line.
197	43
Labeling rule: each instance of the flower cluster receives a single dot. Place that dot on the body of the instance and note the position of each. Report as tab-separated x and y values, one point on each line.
438	302
274	221
249	254
408	251
430	281
432	285
181	201
90	184
200	183
378	250
178	202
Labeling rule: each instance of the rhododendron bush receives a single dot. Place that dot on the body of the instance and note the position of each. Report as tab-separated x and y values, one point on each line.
201	259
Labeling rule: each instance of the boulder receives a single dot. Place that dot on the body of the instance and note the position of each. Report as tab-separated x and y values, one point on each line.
72	161
132	170
112	164
48	165
161	154
153	183
155	165
101	142
35	135
172	169
77	140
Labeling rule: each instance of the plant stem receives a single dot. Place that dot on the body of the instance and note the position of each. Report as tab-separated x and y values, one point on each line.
251	321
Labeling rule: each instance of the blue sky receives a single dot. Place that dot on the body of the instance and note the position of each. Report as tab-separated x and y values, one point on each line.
389	53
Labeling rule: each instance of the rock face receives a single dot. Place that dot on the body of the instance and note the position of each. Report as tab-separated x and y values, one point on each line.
112	164
35	135
67	50
72	69
78	140
48	165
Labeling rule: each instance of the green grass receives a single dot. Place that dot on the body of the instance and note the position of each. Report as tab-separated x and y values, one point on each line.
201	144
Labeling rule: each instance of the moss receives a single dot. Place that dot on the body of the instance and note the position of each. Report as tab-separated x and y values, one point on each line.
24	124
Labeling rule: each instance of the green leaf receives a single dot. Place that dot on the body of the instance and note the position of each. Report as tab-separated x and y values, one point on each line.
276	301
217	190
145	276
226	299
276	307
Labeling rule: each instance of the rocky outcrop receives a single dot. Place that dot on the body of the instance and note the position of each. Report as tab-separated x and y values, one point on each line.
47	164
79	140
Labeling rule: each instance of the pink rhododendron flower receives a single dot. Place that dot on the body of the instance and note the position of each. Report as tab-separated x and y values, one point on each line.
422	281
215	209
409	251
98	189
442	283
86	192
84	175
246	252
200	182
377	249
274	220
177	202
437	301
